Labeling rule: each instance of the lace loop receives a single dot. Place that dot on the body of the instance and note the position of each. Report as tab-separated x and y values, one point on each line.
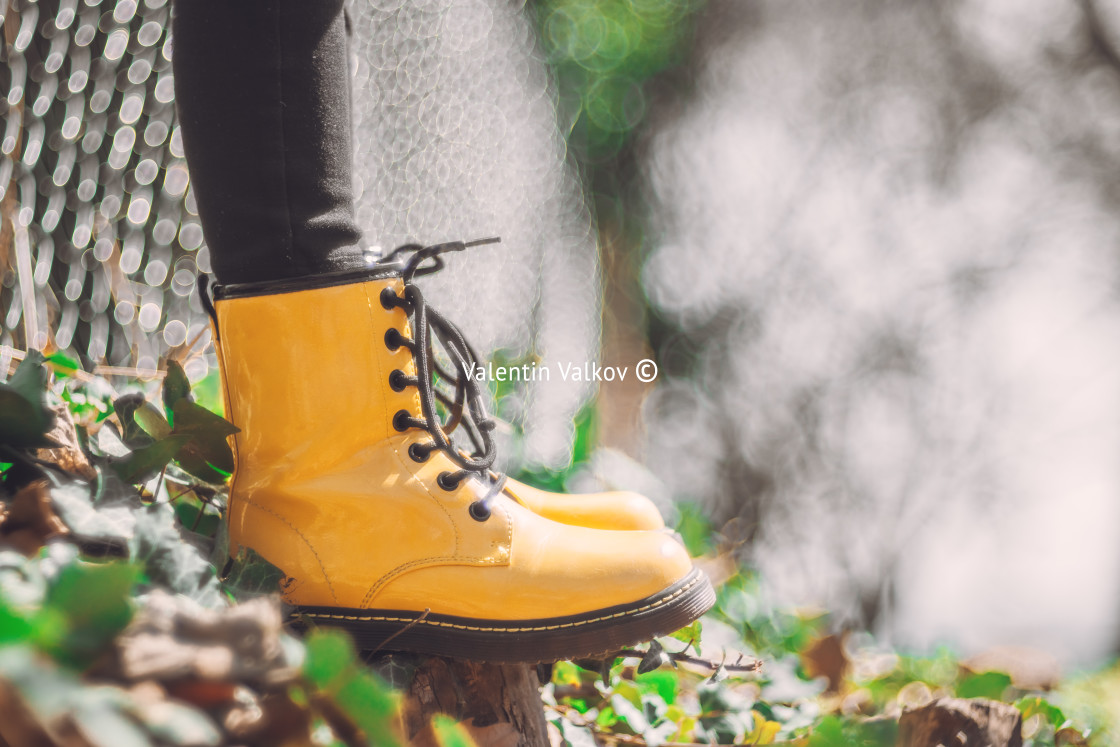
467	408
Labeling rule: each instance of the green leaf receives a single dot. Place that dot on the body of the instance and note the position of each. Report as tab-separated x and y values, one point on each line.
111	521
832	731
690	634
695	528
25	418
664	682
14	628
176	386
197	517
94	602
132	434
331	665
63	364
207	455
1030	706
208	392
990	685
371	704
249	574
330	655
450	733
170	559
145	463
151	420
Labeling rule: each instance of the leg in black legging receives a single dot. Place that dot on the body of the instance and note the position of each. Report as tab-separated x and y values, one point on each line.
263	96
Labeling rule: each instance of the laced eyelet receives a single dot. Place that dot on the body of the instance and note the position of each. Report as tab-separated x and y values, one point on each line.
419	453
399	420
396	380
479	511
389	298
444	481
393	338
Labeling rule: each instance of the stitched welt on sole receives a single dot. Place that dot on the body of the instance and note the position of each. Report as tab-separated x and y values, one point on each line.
528	641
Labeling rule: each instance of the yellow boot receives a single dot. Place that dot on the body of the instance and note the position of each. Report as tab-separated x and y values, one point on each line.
347	482
616	509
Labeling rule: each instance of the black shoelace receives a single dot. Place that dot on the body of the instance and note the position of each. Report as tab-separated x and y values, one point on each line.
466	407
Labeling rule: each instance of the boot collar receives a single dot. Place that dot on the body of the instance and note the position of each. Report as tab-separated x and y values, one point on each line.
293	285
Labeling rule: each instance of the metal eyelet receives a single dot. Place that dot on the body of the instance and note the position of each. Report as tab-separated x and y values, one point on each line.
479	511
397	380
389	298
446	483
399	420
418	453
393	338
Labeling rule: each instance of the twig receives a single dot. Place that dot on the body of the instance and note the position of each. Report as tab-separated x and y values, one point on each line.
423	616
18	355
130	371
754	665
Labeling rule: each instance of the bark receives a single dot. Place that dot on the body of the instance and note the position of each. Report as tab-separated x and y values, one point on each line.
955	723
498	704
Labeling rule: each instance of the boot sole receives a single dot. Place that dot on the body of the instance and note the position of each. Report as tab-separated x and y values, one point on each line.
534	641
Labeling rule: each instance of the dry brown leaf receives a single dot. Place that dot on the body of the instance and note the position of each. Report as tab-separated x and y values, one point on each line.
69	455
28	521
826	657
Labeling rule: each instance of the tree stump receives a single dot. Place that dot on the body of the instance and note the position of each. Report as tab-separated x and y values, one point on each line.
498	704
954	722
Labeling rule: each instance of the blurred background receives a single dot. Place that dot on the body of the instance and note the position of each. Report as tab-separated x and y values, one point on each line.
872	245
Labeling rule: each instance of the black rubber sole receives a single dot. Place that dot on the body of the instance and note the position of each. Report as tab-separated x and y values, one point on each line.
528	641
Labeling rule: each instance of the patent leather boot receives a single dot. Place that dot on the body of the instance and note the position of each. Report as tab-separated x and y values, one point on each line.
348	481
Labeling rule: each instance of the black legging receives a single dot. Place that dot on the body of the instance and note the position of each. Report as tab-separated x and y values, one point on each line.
263	95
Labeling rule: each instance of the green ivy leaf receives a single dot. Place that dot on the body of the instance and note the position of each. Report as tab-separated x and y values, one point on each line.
197	516
690	634
249	575
371	704
330	655
176	386
93	600
132	434
990	685
207	455
170	560
145	463
151	420
664	682
331	665
25	418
